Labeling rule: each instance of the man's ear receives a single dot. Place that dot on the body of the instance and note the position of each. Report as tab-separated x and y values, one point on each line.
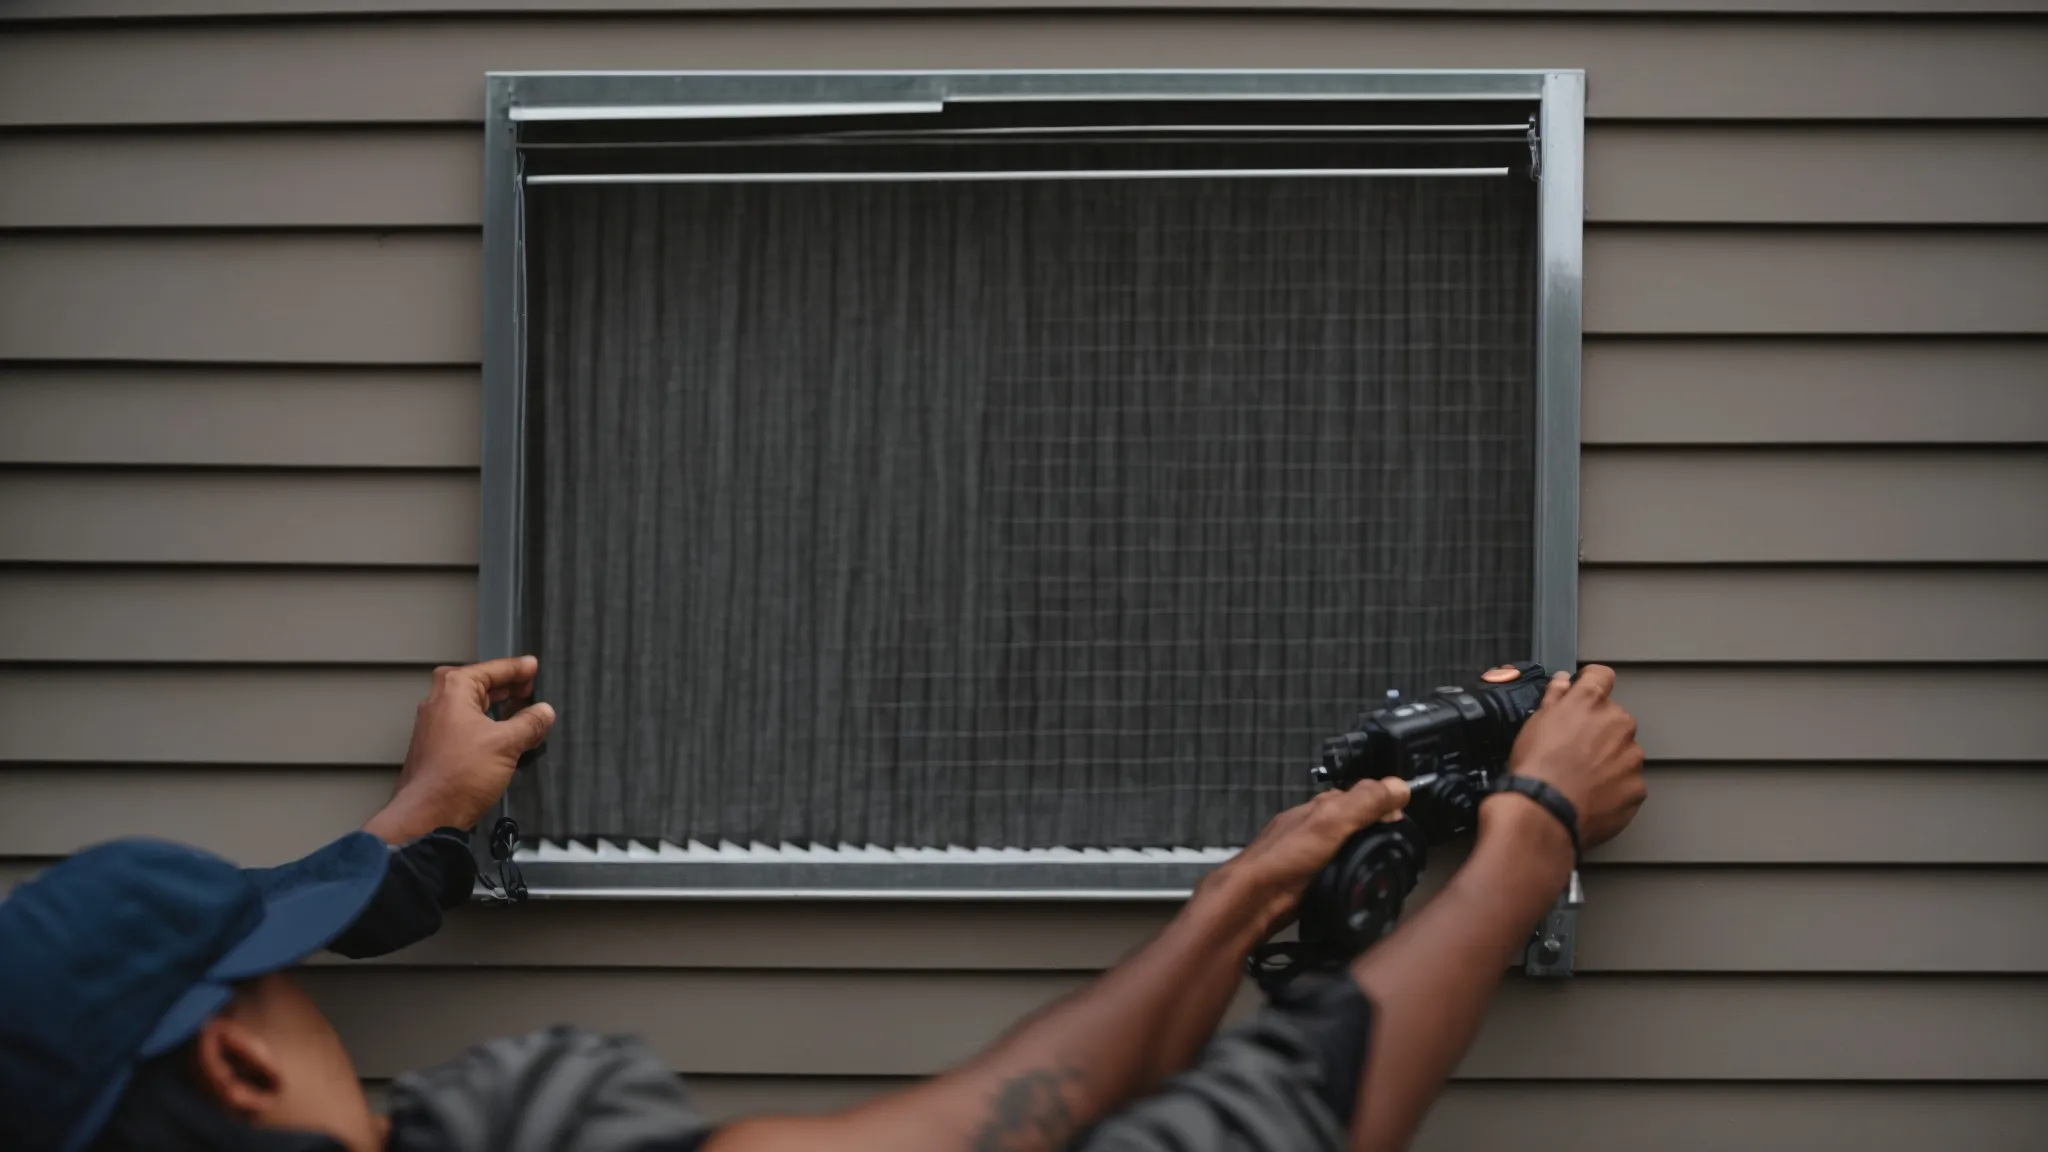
237	1068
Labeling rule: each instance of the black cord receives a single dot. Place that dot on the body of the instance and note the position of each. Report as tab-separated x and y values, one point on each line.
510	886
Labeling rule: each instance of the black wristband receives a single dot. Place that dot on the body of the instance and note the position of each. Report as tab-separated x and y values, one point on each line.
1552	801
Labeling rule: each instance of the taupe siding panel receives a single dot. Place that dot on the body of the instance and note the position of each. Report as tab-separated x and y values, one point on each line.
1852	813
349	298
230	716
433	177
253	818
1771	713
332	177
348	418
1833	174
430	70
1705	814
1740	505
826	1023
1822	391
1882	283
349	518
1822	615
301	616
413	298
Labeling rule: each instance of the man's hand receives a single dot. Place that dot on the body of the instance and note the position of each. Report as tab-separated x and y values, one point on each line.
461	760
1271	872
1583	744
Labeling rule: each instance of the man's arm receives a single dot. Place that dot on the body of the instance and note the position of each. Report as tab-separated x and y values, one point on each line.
458	765
1431	981
460	760
1051	1076
1065	1068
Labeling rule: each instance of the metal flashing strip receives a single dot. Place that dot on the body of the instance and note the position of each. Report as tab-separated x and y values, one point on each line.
595	94
593	112
967	176
1561	212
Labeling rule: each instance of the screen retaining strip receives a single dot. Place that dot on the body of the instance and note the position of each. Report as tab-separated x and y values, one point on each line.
796	872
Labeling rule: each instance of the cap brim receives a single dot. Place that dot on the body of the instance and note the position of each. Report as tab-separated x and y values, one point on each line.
306	904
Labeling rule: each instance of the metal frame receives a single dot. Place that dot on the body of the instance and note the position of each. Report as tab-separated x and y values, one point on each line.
1558	97
982	177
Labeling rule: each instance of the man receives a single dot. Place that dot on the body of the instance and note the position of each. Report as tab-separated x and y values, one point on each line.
144	1000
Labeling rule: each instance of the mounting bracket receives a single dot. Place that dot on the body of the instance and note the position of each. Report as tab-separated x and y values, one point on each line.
1555	941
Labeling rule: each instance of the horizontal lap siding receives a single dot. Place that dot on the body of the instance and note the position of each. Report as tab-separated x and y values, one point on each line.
239	395
345	416
429	71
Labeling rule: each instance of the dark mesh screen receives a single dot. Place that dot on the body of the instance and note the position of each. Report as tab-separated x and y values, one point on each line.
1018	514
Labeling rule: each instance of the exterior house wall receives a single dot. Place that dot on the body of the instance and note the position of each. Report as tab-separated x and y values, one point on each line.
239	331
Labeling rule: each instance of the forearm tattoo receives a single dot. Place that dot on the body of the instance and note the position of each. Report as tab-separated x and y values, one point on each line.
1030	1112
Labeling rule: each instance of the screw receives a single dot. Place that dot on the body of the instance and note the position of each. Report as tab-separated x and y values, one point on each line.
1553	947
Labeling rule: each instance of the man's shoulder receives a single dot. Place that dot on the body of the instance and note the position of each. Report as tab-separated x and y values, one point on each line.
555	1088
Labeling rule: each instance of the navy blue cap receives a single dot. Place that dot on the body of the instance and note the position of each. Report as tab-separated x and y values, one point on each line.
123	951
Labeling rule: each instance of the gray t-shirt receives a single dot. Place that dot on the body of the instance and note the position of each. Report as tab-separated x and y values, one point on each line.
557	1090
1284	1082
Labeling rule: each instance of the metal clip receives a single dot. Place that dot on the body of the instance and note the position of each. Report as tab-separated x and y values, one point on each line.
1535	151
1555	941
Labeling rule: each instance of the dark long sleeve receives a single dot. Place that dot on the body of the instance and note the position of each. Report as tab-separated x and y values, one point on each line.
426	878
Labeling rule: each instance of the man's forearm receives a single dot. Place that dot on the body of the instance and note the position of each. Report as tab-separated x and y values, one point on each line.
1067	1066
1430	981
